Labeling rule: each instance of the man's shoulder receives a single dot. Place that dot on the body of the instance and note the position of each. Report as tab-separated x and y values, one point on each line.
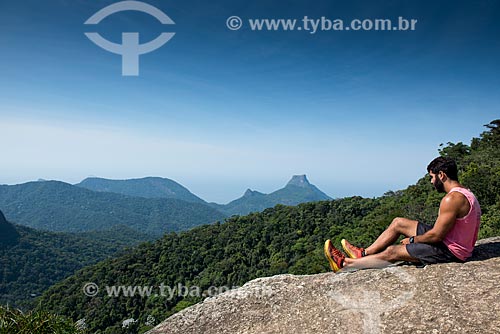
456	195
456	200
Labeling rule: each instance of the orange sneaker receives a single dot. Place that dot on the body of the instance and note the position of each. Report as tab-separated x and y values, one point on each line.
334	256
352	251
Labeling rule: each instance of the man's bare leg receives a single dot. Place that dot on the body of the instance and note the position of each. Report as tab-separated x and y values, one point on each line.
398	226
390	255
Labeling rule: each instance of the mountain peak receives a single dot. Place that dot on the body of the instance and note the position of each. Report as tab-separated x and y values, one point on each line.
299	181
249	192
147	187
297	190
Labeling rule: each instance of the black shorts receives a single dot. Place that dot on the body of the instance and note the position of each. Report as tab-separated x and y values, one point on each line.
430	253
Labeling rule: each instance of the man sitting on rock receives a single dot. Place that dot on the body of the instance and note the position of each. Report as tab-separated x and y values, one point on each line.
451	239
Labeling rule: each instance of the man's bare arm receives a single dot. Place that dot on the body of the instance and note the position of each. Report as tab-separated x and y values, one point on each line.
448	212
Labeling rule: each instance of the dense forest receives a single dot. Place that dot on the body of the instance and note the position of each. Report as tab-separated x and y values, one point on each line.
62	207
32	260
279	240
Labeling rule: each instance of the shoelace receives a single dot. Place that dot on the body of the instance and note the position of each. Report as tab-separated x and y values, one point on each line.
337	253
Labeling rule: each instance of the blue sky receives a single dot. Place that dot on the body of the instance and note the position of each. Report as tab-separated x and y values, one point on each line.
219	111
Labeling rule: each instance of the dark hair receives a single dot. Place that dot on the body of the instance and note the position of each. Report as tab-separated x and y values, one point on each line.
445	165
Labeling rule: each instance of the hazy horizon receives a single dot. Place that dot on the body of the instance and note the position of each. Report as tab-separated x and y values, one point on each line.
220	111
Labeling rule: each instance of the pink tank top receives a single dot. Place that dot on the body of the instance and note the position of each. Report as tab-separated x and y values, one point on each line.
461	238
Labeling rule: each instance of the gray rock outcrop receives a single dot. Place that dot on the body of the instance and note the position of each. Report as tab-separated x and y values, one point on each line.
442	298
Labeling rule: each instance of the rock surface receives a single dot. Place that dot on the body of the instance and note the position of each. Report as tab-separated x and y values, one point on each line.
442	298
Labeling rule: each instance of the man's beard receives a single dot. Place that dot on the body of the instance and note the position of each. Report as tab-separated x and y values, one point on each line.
438	184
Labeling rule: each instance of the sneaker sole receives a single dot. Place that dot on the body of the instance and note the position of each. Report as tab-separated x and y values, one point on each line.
332	263
346	249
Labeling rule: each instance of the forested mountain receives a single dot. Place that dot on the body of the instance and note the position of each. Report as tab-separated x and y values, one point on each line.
31	260
148	187
297	190
278	240
58	206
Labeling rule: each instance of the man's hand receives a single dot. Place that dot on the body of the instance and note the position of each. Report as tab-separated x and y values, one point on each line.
405	241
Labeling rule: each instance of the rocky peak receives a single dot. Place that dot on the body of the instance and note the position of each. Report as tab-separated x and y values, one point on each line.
299	181
440	298
250	193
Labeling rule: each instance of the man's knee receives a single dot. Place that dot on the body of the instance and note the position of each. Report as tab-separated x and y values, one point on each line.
391	253
391	250
397	223
404	226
